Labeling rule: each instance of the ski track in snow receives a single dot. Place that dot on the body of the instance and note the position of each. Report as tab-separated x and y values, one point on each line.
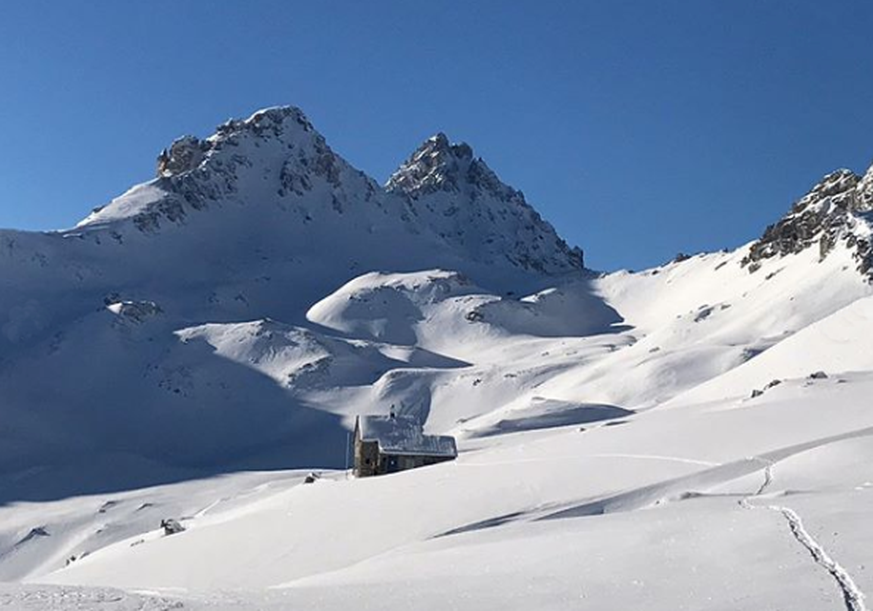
768	478
852	594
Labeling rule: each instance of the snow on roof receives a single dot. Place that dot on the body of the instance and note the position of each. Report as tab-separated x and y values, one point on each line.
403	434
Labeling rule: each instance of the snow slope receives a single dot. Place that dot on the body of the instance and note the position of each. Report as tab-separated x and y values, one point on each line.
557	498
144	332
608	516
186	350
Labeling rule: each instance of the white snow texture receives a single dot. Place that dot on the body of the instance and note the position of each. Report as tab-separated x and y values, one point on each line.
198	346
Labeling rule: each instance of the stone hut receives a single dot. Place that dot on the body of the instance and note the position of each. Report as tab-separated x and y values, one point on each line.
387	444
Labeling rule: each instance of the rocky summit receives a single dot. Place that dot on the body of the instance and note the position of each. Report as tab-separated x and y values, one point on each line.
276	159
455	191
839	209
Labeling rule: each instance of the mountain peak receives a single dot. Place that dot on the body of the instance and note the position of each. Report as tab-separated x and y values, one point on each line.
275	121
440	145
277	167
275	147
186	153
436	165
837	210
458	195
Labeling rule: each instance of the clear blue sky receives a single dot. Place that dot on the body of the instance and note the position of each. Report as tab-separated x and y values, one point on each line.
639	129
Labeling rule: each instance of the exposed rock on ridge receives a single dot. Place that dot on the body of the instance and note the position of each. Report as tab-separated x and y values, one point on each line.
435	166
839	209
459	194
184	155
275	158
196	172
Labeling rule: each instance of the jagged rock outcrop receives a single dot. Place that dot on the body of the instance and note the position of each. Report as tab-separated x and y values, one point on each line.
838	210
436	165
184	155
459	195
193	173
135	311
275	159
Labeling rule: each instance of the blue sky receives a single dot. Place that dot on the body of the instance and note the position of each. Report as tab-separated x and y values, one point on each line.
638	128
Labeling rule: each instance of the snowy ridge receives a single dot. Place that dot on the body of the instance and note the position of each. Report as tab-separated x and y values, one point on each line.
491	221
196	347
836	211
193	172
279	147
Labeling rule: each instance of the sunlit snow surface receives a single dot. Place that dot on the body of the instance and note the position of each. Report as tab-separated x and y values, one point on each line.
194	351
676	497
670	510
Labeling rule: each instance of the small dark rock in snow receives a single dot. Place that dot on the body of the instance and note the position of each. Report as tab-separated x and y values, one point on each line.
749	353
703	313
474	316
311	478
818	375
770	384
171	526
39	531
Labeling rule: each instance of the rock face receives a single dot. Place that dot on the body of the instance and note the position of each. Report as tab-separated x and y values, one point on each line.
457	193
276	158
435	166
135	311
184	155
194	173
838	210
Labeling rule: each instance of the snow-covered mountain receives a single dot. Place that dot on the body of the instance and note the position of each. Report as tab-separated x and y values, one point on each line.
463	200
694	435
247	228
